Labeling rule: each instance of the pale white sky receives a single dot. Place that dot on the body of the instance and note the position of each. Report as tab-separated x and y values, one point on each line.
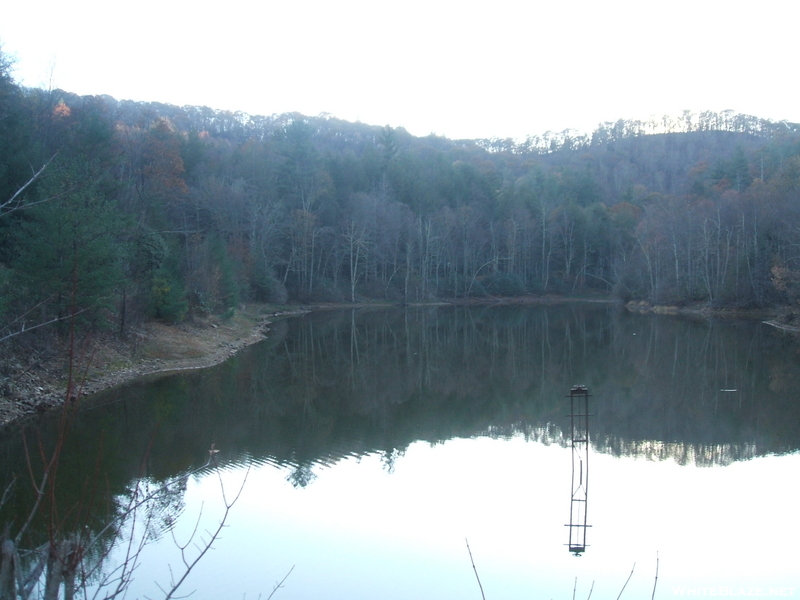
462	69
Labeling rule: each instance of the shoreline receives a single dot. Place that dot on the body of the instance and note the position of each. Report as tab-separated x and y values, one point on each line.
154	348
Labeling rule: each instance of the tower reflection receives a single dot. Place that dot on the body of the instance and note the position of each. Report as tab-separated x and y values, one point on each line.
579	441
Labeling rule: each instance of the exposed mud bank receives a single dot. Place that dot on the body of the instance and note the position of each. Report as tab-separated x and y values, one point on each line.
37	381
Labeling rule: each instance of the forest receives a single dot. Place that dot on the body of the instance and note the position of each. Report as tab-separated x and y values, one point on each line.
118	211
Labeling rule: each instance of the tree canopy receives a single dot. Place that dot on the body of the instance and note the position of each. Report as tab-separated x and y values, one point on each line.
148	210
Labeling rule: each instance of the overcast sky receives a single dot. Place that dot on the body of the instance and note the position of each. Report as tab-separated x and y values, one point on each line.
461	69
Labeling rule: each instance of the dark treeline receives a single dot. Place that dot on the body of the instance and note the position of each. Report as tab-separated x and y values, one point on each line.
151	210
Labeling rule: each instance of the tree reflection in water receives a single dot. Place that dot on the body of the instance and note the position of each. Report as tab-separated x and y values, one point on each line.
352	383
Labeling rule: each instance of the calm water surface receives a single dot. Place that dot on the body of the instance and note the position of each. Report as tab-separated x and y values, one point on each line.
373	444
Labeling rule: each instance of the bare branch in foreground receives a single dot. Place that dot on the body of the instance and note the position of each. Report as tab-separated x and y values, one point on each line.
23	329
15	202
279	585
475	569
626	581
575	589
7	492
205	545
655	581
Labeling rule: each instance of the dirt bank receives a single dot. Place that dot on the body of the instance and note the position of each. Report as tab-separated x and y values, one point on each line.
34	379
37	381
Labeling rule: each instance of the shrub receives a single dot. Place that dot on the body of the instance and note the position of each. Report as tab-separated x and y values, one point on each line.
167	298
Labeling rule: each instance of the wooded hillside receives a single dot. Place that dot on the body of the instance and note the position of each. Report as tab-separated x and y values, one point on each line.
121	210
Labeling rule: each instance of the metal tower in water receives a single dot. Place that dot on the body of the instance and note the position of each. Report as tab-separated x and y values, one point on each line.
579	441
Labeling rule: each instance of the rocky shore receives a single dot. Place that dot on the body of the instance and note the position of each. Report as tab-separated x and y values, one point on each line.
36	381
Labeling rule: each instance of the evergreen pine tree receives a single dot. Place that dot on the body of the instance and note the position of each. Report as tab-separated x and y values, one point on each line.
68	259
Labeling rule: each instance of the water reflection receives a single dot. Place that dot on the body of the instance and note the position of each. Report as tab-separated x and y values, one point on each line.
579	446
328	387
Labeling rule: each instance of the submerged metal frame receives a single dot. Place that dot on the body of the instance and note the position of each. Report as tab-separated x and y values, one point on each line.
579	440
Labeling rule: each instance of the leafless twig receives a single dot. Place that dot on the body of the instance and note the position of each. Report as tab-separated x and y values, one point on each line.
279	585
626	581
189	564
15	202
655	581
7	492
121	576
24	329
475	569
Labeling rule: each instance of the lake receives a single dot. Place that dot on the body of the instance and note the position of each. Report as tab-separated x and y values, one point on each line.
400	453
